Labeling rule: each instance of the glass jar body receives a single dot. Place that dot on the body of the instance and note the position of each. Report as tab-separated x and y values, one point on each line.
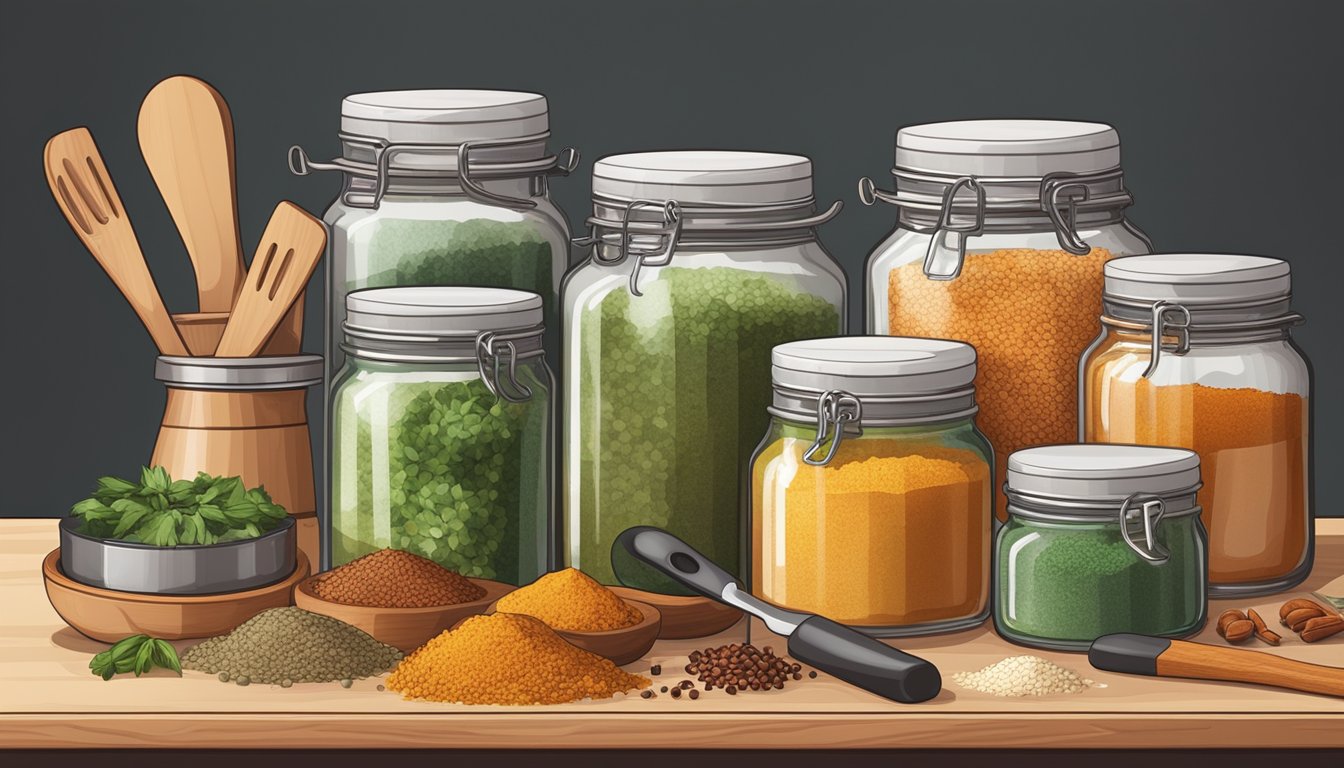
426	459
437	235
893	535
1028	307
1244	408
1061	585
666	393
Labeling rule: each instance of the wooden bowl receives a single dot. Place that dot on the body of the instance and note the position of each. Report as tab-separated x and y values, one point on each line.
403	628
684	617
109	615
622	645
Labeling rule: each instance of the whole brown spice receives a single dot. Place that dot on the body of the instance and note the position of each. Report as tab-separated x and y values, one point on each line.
741	667
391	578
507	658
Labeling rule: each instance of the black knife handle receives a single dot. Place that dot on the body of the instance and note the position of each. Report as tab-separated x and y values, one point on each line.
677	559
862	661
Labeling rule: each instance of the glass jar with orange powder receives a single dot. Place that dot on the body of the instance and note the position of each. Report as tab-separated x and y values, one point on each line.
1195	352
870	498
1003	228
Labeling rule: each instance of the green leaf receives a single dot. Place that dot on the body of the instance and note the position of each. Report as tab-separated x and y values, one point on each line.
144	659
165	656
115	486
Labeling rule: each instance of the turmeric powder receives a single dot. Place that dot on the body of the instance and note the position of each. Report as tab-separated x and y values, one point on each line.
1252	448
573	601
508	659
891	532
1029	313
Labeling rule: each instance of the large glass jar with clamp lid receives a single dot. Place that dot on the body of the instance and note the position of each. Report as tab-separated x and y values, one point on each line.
442	437
1100	539
1003	227
701	262
443	187
870	495
1195	352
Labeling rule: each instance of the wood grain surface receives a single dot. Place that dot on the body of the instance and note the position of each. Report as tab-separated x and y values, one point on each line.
49	699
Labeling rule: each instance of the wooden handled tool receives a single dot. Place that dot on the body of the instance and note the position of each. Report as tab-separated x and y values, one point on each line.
285	259
1160	657
83	189
186	137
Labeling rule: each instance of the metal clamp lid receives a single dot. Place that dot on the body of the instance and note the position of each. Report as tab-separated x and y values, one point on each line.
1161	325
835	408
466	173
492	349
676	218
1062	196
1148	513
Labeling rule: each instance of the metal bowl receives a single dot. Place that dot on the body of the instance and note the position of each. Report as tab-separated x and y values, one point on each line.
127	566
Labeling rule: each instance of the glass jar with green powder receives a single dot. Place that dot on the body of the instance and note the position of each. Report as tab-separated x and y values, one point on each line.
444	187
701	262
1100	539
441	431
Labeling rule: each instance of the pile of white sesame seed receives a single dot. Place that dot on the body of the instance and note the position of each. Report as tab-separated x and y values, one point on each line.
1022	676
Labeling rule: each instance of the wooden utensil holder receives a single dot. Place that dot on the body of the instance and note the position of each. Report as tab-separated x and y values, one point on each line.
246	417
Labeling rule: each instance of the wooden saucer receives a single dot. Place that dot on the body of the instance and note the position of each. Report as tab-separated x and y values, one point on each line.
108	615
684	617
622	645
403	628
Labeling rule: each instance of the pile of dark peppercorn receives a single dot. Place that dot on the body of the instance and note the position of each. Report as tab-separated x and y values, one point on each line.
740	667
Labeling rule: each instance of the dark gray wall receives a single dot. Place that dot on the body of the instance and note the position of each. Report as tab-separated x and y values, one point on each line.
1230	115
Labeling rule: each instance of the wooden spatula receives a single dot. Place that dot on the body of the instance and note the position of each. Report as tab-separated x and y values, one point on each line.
1160	657
186	137
285	259
83	189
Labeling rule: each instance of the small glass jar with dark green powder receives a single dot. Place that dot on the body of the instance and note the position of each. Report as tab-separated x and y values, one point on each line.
442	431
701	262
1100	539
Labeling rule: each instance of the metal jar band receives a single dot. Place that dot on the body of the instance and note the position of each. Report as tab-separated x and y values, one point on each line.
1138	514
468	171
495	353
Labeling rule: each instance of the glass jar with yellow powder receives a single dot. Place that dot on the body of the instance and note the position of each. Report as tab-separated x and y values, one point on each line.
871	499
1195	352
1001	232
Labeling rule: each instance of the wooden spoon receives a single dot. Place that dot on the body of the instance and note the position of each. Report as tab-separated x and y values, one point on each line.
186	137
83	189
285	259
1160	657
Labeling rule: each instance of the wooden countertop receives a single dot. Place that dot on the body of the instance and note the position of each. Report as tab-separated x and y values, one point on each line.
48	698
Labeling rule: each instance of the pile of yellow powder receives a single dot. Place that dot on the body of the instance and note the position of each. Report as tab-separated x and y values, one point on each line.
507	658
572	601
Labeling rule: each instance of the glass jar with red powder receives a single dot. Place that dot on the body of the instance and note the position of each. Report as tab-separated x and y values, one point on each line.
1003	228
1195	352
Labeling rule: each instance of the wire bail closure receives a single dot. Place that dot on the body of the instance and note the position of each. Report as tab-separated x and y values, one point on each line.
947	247
1162	327
491	350
300	164
1149	512
835	408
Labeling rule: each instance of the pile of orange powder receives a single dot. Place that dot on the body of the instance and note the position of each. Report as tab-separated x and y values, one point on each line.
391	578
573	601
509	659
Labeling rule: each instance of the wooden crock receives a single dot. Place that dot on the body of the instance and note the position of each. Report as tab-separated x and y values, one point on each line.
246	417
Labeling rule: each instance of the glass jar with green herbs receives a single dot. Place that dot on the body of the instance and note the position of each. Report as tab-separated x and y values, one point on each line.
701	262
441	422
1100	539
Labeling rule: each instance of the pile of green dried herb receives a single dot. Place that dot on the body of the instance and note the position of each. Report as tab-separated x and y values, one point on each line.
164	512
138	654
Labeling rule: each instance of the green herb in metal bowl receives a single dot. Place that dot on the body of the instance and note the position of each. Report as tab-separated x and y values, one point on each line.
163	512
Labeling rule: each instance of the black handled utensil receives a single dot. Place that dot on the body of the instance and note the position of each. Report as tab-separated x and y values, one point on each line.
831	647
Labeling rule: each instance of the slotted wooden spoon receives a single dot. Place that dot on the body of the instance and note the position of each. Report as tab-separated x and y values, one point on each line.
285	259
83	189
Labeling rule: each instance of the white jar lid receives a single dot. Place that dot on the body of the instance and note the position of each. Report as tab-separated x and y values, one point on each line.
1101	471
1030	148
875	366
705	177
1197	278
444	116
437	311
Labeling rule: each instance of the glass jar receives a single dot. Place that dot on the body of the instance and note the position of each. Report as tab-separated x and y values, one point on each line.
1222	377
443	187
700	263
1003	228
870	495
1100	539
441	424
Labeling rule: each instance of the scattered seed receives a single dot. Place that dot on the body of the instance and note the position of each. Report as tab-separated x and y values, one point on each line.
656	669
646	694
694	694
